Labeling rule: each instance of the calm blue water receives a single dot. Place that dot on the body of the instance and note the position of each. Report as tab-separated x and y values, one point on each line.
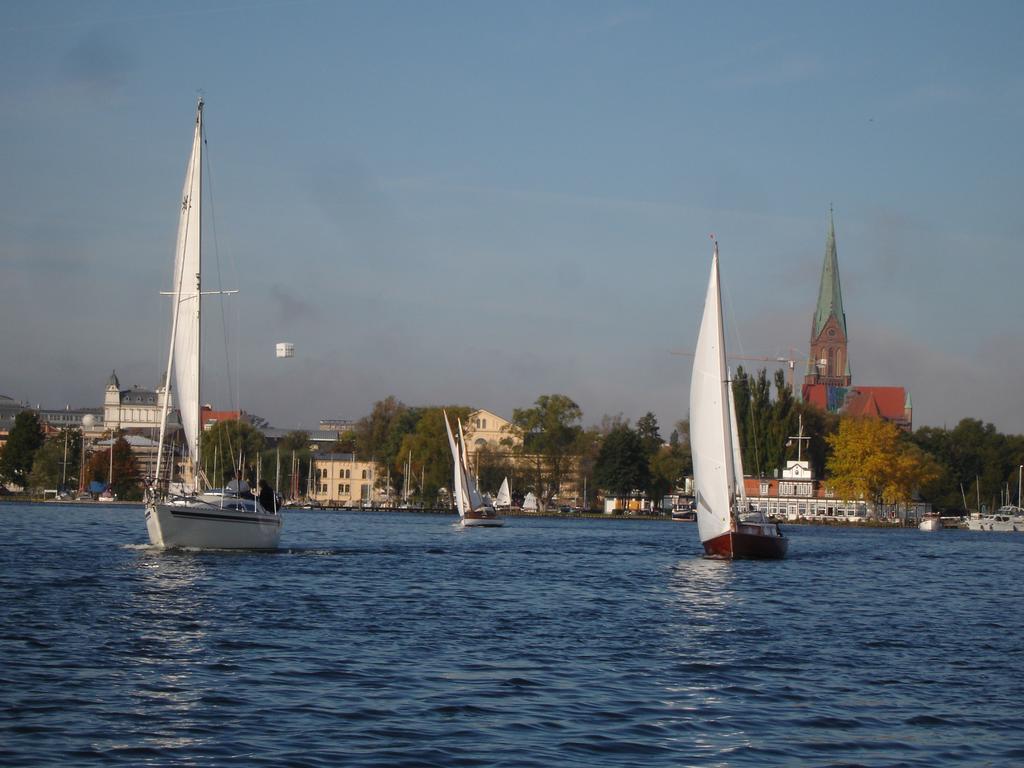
400	640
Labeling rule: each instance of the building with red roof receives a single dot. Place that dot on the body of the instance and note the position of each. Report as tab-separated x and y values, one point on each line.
828	383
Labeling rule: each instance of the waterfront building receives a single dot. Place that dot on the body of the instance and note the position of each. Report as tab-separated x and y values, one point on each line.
134	409
343	480
798	496
486	428
52	419
828	383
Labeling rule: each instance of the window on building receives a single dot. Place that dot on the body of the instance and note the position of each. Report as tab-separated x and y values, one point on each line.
340	486
764	489
364	474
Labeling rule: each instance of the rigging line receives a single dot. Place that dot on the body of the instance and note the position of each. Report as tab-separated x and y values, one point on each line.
754	436
220	282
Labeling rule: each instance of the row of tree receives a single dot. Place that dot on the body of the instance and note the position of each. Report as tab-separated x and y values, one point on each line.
547	446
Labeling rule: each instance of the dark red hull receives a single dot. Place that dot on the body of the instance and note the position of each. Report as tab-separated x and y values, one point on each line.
740	544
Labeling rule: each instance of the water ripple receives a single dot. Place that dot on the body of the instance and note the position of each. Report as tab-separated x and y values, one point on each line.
372	640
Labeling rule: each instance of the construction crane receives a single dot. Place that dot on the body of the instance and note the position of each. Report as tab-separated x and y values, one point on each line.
790	361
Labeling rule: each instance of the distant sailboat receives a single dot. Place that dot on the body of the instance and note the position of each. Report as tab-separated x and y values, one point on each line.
473	509
504	499
727	526
214	518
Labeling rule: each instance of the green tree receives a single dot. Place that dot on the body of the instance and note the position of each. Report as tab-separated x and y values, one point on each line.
587	449
56	463
228	446
623	463
975	462
24	439
648	432
668	467
431	456
491	465
549	431
293	453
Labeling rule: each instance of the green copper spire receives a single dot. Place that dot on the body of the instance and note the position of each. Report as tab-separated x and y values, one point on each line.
830	295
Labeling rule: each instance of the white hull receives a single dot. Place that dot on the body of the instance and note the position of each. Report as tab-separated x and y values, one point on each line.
199	524
930	524
996	522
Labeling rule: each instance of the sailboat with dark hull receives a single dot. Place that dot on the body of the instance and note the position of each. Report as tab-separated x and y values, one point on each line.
729	527
474	510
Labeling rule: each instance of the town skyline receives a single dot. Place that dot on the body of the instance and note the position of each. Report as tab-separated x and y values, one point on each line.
534	223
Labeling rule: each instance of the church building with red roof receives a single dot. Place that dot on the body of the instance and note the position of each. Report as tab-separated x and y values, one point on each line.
828	383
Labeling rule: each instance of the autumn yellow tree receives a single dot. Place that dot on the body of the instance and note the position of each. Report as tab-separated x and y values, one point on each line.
871	460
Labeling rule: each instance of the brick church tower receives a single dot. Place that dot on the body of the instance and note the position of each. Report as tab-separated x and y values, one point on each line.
829	362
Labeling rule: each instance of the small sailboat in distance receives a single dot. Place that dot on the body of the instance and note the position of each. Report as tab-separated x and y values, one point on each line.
504	498
727	525
193	517
473	509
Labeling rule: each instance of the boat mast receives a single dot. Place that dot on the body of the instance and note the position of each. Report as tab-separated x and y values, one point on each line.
64	465
723	377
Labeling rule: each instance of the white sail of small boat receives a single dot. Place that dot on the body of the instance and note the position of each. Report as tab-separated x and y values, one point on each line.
530	502
504	498
194	517
473	510
727	527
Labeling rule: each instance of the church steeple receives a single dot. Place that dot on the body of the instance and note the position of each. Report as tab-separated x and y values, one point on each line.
829	363
830	293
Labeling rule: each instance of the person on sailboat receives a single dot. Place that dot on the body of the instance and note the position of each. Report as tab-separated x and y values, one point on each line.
267	497
237	485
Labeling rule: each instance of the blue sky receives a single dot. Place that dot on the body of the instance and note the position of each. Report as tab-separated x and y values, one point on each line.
484	202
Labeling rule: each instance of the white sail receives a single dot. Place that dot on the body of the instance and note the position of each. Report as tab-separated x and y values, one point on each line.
476	500
530	502
710	431
186	288
458	483
504	495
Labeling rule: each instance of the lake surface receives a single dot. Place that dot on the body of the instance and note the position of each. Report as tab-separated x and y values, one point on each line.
399	639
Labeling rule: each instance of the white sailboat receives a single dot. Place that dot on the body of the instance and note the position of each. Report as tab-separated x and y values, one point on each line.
504	498
727	526
194	517
473	509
